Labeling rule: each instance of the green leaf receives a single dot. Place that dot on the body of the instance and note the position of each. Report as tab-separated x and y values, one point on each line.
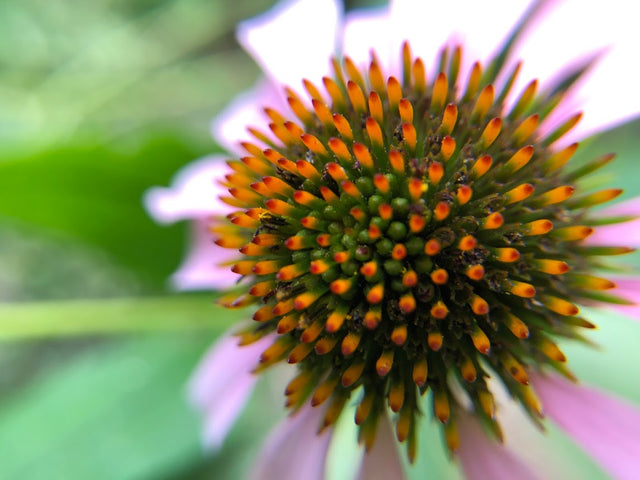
112	316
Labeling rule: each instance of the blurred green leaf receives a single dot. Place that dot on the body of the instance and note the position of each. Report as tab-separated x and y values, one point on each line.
91	317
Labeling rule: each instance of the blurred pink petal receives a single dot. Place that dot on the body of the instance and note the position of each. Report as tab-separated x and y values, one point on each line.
627	233
484	458
221	385
382	461
193	192
229	128
202	268
293	40
607	428
294	450
627	288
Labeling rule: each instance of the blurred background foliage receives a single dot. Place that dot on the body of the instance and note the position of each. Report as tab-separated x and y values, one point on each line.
99	101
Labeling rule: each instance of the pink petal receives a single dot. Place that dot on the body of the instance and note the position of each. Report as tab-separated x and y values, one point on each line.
193	192
483	458
294	450
229	128
382	461
293	40
203	268
626	234
605	427
364	30
222	382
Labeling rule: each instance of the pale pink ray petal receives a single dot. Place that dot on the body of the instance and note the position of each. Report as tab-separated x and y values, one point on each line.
229	128
193	192
293	40
607	428
625	234
627	288
365	30
382	461
203	268
222	383
482	457
294	450
573	30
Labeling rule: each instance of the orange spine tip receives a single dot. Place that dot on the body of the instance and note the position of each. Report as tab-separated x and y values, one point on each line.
577	232
451	436
435	341
364	408
399	252
464	194
253	250
358	214
560	306
435	172
377	78
307	170
374	132
283	307
440	92
337	98
261	188
350	189
325	345
420	372
340	150
405	109
475	272
384	363
287	324
410	279
474	81
468	242
538	227
441	211
311	223
507	255
396	395
304	300
336	172
482	166
439	276
233	242
480	340
352	71
313	144
563	129
372	319
266	267
394	92
448	147
479	305
522	289
328	194
596	198
441	408
243	267
350	343
352	374
592	283
335	321
375	107
341	257
311	89
419	76
324	391
519	193
343	127
298	383
516	326
487	403
514	368
287	165
490	132
323	113
277	186
468	370
274	115
399	335
559	159
274	352
552	267
356	97
439	310
385	211
381	182
376	294
432	247
289	272
252	149
298	243
557	195
363	155
526	129
341	286
409	135
519	159
279	207
245	195
407	303
318	267
281	133
551	350
263	314
484	102
267	239
525	99
449	118
416	223
369	269
299	110
492	221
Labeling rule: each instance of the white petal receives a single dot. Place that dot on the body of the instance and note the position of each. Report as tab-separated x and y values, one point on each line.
365	30
382	461
222	383
293	449
607	428
293	40
193	192
202	268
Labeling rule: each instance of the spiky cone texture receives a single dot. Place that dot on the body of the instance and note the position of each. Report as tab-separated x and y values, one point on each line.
405	235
